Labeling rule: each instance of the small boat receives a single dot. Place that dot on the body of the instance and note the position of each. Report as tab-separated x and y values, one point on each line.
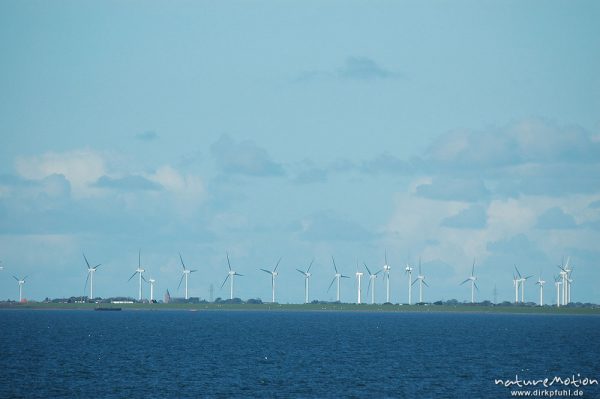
107	308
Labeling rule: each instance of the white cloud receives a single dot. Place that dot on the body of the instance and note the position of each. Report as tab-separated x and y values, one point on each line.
80	167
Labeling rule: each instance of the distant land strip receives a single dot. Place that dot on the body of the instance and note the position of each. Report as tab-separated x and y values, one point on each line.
313	307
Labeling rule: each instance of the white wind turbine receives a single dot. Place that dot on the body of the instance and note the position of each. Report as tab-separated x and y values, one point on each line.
358	279
421	279
408	270
472	279
90	276
186	273
372	277
230	275
557	283
1	267
273	274
541	283
567	281
337	277
386	272
139	271
151	281
21	281
516	285
522	281
306	275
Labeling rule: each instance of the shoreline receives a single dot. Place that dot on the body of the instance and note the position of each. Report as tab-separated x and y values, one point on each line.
364	308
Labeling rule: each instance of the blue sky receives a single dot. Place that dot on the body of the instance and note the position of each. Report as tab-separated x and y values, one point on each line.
449	131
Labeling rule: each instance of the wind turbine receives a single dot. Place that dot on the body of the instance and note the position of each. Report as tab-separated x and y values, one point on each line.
306	275
372	277
21	281
230	275
541	283
139	271
421	279
358	278
1	267
472	279
386	272
151	281
408	270
516	285
557	283
186	273
337	277
90	276
273	274
522	281
564	274
568	269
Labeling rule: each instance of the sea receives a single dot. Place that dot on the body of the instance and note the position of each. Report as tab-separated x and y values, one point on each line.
256	354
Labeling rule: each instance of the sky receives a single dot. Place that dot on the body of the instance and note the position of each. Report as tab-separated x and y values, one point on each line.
450	132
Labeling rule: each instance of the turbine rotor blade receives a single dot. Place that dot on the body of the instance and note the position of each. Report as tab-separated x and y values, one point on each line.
181	259
367	267
334	265
413	283
309	266
518	272
267	271
15	277
424	282
332	281
465	281
86	281
228	263
301	272
180	280
132	276
277	265
237	274
224	281
475	284
86	261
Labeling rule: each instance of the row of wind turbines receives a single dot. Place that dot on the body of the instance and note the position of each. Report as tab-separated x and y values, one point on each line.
562	281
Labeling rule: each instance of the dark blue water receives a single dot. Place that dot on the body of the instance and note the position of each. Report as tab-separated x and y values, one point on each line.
180	354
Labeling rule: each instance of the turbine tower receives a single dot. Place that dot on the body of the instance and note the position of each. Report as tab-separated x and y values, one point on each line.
306	275
230	275
372	277
522	281
516	285
90	276
565	273
421	279
541	283
21	281
337	277
472	279
557	283
273	274
358	278
186	273
408	270
386	272
139	271
151	281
